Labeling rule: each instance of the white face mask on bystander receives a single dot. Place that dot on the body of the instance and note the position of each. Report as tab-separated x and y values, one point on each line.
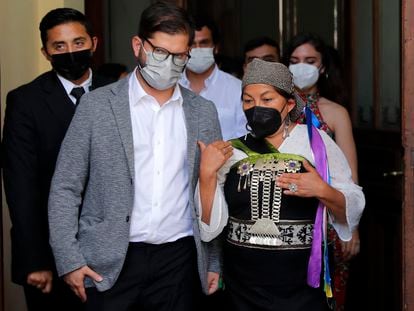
304	75
201	59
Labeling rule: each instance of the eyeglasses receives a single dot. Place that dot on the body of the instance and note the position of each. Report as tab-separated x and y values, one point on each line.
161	54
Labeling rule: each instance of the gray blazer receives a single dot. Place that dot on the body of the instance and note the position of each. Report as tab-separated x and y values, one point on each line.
92	190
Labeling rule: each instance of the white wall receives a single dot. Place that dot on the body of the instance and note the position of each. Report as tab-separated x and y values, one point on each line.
20	62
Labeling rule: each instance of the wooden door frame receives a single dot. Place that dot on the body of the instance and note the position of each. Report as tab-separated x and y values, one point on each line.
407	131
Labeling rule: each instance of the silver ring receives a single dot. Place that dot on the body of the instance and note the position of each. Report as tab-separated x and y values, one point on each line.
293	187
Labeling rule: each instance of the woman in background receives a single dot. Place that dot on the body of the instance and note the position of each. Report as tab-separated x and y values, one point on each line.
271	193
318	78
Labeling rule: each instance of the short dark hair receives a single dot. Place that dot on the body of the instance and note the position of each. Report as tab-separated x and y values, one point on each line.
62	16
205	21
165	17
259	41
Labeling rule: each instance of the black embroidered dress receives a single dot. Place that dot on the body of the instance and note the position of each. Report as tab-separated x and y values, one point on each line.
266	268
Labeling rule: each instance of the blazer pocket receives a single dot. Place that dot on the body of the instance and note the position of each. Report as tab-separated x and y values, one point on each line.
88	222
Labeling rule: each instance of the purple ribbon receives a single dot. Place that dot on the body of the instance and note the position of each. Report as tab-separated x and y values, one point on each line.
319	154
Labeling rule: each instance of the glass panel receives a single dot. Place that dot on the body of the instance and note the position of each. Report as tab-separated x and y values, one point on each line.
122	22
259	20
389	64
309	12
363	57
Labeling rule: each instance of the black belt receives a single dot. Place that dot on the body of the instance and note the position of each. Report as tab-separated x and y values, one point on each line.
293	234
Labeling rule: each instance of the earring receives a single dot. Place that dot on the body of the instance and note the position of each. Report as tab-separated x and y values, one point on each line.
286	129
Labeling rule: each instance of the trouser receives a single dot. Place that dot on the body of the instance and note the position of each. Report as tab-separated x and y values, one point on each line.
60	298
153	277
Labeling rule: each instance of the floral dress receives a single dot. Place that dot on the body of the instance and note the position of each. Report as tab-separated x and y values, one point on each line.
340	266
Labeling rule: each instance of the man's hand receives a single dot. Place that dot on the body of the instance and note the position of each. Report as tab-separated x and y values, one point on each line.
75	280
213	282
41	280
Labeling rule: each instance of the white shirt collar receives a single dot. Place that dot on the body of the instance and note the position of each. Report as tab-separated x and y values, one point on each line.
69	85
207	82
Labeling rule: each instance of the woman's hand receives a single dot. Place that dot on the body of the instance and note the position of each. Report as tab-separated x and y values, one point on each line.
309	184
351	248
213	156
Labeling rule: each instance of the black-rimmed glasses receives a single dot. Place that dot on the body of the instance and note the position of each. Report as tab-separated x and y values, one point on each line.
161	54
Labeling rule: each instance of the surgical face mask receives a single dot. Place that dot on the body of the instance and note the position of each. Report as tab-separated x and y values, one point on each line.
201	59
263	121
160	75
304	75
72	66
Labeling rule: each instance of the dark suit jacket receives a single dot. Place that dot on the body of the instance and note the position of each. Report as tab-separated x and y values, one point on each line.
37	117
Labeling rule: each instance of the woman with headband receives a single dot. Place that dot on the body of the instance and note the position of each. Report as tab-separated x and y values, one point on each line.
272	193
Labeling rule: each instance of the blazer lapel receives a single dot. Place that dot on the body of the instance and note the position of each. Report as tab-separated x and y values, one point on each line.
120	107
191	119
57	100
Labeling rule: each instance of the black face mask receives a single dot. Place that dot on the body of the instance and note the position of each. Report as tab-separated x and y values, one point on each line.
72	66
263	121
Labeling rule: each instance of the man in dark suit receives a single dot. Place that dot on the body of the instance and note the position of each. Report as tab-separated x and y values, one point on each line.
37	117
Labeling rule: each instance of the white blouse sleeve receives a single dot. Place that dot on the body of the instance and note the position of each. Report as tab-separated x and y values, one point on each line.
341	180
340	174
219	212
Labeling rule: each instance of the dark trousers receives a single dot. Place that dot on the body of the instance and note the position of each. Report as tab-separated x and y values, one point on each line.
60	298
154	278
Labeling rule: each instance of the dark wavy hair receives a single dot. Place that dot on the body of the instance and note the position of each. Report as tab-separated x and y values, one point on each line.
331	84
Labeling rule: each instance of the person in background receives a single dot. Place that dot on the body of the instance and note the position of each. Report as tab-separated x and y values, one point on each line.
261	47
231	65
123	224
318	79
113	71
203	77
272	196
37	117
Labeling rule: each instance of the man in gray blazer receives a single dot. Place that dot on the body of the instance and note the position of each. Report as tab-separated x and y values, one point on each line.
122	218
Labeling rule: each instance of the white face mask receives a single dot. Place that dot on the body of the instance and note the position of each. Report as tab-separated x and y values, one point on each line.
201	59
160	75
304	75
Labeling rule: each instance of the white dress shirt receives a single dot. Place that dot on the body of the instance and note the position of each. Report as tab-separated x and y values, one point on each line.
161	210
297	143
224	91
69	85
